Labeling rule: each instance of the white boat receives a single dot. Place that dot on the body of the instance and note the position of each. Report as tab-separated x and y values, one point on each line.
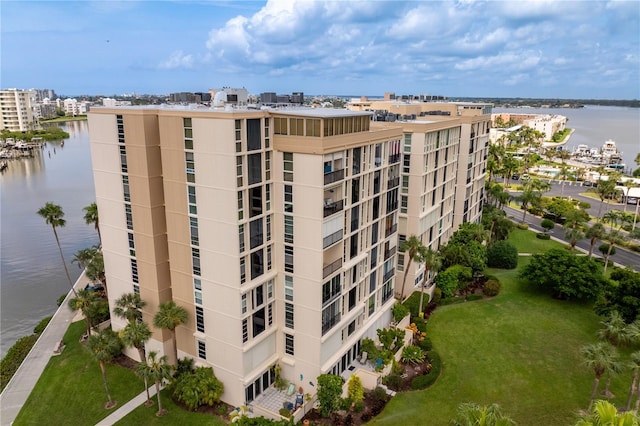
609	149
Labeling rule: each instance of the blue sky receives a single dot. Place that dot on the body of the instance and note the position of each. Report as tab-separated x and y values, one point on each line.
563	49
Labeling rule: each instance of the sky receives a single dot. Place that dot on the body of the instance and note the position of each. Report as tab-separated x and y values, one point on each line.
465	48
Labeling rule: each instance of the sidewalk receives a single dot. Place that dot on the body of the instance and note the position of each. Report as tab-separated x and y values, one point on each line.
129	406
22	383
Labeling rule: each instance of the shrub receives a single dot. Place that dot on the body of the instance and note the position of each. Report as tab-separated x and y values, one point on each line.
425	344
471	297
437	295
420	323
547	224
456	277
393	381
39	328
584	205
543	236
14	357
358	407
604	248
502	255
491	288
355	390
426	380
399	311
329	393
201	387
413	303
412	354
522	226
61	299
284	412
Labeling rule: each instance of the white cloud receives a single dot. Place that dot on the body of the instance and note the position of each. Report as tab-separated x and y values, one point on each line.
177	60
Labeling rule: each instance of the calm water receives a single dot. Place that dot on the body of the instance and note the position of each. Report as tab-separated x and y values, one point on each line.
31	274
595	124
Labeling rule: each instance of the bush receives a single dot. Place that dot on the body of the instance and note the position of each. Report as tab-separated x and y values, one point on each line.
522	226
547	224
420	323
456	277
329	393
355	390
41	325
491	288
14	357
285	413
437	295
393	381
426	380
61	299
543	236
604	249
399	311
200	387
413	303
503	255
584	205
412	354
472	297
425	344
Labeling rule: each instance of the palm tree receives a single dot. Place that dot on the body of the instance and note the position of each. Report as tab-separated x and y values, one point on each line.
158	370
604	190
532	194
411	246
613	218
105	346
613	238
136	334
594	233
564	174
509	166
605	413
142	370
170	316
602	358
84	256
91	217
128	306
471	414
95	269
634	364
614	329
432	262
53	215
632	332
88	303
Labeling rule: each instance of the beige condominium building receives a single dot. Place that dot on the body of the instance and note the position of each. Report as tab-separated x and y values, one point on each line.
17	110
275	229
444	149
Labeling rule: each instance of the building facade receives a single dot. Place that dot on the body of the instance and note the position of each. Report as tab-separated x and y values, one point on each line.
275	229
18	109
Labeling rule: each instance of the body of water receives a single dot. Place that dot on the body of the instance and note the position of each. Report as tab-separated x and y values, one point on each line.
595	124
31	273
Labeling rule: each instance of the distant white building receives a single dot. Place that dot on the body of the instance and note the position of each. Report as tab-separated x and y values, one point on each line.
17	110
234	95
548	124
72	107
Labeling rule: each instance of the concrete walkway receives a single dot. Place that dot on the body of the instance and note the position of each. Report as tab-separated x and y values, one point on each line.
23	381
129	406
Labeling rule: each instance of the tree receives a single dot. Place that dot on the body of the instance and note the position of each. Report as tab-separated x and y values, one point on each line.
471	414
509	166
634	364
574	227
604	190
355	390
613	329
495	222
91	217
329	393
502	254
472	254
129	306
170	316
135	334
594	233
547	225
84	256
142	370
90	304
105	346
157	369
411	247
621	295
432	262
532	195
612	238
565	274
494	160
605	413
54	216
601	358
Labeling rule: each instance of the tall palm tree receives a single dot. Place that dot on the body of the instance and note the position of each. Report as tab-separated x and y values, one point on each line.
613	218
54	216
91	217
432	262
605	413
614	329
601	357
128	306
471	414
170	316
411	247
95	269
634	364
88	302
158	370
604	190
613	238
105	346
84	256
632	332
142	370
594	233
136	334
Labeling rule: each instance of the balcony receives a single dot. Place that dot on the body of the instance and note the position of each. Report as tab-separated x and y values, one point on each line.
388	275
331	207
389	253
331	268
390	230
333	176
331	239
394	158
393	182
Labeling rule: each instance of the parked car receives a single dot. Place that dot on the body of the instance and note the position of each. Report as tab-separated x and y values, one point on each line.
515	177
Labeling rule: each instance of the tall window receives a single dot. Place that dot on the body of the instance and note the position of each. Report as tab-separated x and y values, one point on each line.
288	166
288	315
288	198
288	288
200	319
195	259
288	344
288	228
288	259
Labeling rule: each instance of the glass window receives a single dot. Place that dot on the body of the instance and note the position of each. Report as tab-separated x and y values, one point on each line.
288	288
288	229
253	134
288	315
202	350
254	165
257	263
288	344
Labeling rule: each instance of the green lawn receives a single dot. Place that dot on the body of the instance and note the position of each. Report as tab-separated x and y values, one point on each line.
71	391
519	349
526	242
176	416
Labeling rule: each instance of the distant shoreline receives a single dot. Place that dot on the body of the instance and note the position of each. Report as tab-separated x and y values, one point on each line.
64	119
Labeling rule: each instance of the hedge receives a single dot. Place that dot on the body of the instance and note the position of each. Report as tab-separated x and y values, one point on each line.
426	380
543	236
14	357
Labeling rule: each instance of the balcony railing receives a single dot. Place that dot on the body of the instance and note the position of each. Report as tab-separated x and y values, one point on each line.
331	268
393	182
332	208
333	176
388	275
389	253
394	158
331	239
390	230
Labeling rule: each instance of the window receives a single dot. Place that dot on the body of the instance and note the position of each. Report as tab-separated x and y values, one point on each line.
280	126
258	322
257	263
269	258
288	288
243	270
253	134
189	161
267	189
257	297
288	166
267	165
197	290
202	350
288	198
255	233
243	303
241	237
134	271
256	201
288	229
199	319
191	194
240	206
129	216
288	259
195	258
254	165
132	246
372	281
193	229
238	135
239	170
245	330
372	304
125	188
351	328
353	297
268	220
288	344
123	159
331	289
288	315
387	291
330	316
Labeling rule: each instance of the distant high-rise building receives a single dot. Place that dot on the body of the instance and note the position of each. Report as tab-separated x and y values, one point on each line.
268	98
297	98
18	109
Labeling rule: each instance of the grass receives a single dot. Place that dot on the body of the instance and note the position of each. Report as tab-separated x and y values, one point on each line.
65	118
71	391
526	242
175	416
520	349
